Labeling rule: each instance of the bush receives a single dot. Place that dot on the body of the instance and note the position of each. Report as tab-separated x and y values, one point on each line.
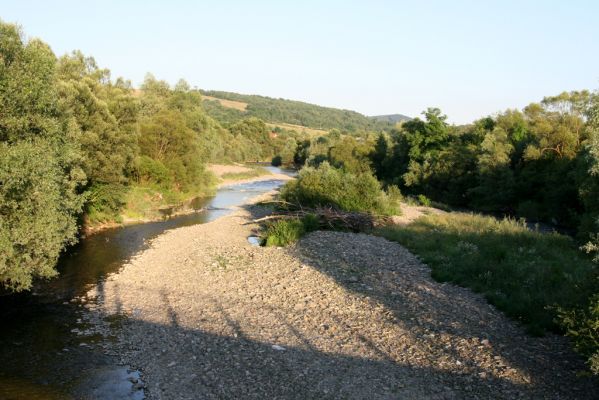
328	186
277	161
582	325
424	201
153	171
287	231
104	202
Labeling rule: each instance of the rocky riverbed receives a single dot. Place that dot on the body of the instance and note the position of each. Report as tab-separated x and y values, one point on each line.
204	314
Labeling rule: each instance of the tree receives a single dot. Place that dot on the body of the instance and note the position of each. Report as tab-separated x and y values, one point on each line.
39	164
105	114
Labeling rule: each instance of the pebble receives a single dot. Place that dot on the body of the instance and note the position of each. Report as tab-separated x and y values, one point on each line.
401	335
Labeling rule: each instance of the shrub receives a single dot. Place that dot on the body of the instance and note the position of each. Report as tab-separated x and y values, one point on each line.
104	202
424	201
328	186
287	231
582	325
277	161
153	171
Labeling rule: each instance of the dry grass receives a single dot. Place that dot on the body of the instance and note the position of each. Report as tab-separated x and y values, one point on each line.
238	105
221	169
299	128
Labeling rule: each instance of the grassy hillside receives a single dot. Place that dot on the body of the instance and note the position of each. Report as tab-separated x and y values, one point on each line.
227	107
392	118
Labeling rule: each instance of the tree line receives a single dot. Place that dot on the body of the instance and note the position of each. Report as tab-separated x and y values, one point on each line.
74	142
540	163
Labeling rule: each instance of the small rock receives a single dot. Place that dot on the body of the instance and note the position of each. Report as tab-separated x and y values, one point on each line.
277	347
171	364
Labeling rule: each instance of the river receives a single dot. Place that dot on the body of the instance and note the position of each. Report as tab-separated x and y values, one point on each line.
43	354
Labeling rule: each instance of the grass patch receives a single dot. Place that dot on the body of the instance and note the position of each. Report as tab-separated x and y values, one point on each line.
524	273
287	231
252	172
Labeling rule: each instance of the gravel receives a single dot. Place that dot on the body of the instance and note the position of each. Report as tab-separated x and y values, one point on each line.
205	315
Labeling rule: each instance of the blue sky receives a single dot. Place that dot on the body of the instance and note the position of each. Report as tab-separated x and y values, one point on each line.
469	58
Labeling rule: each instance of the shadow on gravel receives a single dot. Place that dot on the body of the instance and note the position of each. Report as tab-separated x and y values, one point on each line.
229	367
383	271
387	273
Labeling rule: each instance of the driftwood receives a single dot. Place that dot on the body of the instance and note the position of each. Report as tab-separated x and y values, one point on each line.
330	218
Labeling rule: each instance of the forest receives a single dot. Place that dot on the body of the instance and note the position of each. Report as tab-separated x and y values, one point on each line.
78	147
295	112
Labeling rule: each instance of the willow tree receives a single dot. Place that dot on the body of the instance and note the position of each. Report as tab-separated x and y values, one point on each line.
39	163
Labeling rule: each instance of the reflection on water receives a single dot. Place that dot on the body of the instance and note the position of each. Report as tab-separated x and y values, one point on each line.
41	356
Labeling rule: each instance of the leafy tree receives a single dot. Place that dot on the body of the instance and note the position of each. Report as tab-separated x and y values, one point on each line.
166	139
105	114
39	163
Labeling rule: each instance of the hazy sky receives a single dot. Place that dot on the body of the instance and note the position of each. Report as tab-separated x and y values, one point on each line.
469	58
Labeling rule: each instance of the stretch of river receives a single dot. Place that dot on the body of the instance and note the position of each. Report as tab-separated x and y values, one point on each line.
42	354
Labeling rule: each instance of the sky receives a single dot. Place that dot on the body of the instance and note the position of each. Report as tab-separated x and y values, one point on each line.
468	58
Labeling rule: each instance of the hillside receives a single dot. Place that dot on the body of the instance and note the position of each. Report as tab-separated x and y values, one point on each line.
392	118
227	107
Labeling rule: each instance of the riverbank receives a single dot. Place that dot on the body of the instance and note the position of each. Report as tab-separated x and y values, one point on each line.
337	315
146	205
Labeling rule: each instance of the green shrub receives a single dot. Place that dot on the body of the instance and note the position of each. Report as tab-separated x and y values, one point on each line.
391	201
276	161
153	171
328	186
582	325
424	201
287	231
104	202
311	222
525	273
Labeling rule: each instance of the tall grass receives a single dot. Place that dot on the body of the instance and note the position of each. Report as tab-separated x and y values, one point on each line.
287	231
525	273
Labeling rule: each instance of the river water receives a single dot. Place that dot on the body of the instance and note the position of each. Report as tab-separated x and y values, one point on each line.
42	352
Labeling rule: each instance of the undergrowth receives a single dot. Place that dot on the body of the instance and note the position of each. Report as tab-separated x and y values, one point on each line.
526	274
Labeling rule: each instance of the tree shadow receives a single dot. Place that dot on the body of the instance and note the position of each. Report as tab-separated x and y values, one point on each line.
531	365
428	310
192	363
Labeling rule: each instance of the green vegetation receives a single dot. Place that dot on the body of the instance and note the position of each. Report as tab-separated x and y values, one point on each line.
293	112
525	273
40	163
534	164
287	231
329	186
253	172
582	325
76	145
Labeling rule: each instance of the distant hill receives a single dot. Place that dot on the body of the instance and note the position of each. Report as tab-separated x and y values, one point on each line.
227	107
392	118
